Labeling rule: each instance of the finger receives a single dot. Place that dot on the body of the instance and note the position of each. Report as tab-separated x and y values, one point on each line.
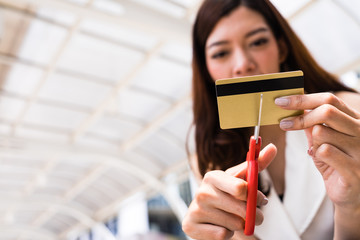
322	134
219	217
206	231
333	157
266	155
212	206
234	186
212	197
259	217
225	211
325	114
227	203
312	101
261	199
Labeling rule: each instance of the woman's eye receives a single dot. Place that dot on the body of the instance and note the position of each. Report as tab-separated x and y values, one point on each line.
219	54
259	42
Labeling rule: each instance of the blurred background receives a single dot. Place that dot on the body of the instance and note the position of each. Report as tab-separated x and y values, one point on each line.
95	110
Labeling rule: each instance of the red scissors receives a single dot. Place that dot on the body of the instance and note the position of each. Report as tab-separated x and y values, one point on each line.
252	176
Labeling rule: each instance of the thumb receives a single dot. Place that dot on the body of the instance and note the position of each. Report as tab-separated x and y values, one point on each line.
266	155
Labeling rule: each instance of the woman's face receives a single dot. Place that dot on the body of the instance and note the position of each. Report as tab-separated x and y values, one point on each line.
242	44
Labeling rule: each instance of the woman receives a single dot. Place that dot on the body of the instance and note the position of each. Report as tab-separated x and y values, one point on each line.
313	195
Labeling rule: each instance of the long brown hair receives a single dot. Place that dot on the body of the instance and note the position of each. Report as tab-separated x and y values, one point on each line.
221	149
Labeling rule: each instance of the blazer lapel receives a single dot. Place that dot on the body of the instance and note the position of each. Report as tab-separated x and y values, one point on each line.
276	224
305	189
304	193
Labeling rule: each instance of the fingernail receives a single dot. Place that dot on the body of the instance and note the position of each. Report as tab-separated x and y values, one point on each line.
282	102
310	151
264	201
285	124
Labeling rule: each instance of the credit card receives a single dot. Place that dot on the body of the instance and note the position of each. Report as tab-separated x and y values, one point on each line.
239	98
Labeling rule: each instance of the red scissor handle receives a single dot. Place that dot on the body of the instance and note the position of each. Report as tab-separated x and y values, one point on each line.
252	179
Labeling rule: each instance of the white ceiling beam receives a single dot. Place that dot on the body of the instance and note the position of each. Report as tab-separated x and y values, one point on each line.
107	157
113	162
33	184
47	74
34	147
89	178
106	161
78	229
155	124
177	3
180	166
114	207
150	22
175	202
347	12
149	129
128	45
135	11
191	12
302	9
123	83
74	107
141	135
42	198
352	66
34	96
109	211
63	209
82	218
11	60
32	205
50	71
10	232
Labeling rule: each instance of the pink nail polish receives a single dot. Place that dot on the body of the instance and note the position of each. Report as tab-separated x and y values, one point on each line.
265	201
283	101
310	151
286	124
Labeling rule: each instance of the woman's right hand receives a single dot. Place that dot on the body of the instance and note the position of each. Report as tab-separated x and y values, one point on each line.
219	207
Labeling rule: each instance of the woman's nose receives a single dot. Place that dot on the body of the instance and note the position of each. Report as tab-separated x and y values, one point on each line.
243	64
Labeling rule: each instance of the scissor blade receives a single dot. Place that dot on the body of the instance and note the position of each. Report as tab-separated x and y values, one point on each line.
257	127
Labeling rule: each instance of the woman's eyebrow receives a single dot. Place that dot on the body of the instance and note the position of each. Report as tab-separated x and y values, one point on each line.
249	34
255	31
222	42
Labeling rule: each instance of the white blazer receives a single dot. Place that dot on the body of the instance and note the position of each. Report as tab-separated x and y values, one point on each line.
306	212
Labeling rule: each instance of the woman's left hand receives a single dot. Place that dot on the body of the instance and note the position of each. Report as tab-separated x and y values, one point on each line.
333	131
